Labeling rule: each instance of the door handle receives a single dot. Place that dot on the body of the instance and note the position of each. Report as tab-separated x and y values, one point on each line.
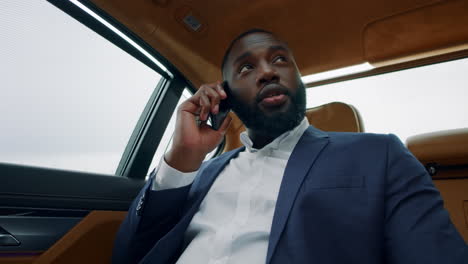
7	239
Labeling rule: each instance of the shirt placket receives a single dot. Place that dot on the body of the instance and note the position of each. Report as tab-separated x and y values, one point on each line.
224	237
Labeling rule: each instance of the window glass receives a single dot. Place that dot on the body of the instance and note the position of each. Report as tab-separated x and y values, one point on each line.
69	98
407	102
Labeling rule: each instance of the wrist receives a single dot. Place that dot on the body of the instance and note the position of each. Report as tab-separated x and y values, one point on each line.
184	160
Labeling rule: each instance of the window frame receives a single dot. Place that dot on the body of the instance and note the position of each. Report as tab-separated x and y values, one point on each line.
145	138
150	129
447	57
403	137
96	26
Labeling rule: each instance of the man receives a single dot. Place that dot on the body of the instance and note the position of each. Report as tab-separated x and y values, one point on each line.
293	194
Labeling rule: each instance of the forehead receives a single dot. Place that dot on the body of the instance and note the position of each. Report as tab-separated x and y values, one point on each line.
253	42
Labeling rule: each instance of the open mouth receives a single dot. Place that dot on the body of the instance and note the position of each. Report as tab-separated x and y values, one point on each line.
273	95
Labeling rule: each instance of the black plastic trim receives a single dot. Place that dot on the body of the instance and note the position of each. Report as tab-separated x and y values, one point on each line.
154	129
34	187
35	233
40	212
139	130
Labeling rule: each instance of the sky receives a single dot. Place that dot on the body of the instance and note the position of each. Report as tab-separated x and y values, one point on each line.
70	99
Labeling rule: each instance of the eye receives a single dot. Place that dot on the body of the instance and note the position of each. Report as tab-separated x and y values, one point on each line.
244	68
279	59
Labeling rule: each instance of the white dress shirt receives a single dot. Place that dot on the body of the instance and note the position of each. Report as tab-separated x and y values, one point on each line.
234	220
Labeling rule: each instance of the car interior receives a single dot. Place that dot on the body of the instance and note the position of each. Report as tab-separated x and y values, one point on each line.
50	215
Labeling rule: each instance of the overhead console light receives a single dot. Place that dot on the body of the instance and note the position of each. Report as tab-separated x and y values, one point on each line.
337	73
122	35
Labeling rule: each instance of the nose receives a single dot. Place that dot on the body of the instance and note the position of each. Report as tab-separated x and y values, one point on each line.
266	73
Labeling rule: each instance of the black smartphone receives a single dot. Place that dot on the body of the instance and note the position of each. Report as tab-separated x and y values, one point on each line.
224	109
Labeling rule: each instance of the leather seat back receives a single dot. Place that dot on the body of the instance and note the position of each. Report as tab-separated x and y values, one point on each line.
335	116
445	155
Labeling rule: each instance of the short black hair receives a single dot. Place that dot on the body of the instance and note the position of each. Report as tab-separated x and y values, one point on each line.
243	34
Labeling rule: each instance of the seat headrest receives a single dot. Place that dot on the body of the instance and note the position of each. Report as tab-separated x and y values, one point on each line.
335	116
448	147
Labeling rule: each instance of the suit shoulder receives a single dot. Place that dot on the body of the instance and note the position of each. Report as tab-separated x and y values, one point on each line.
358	136
363	139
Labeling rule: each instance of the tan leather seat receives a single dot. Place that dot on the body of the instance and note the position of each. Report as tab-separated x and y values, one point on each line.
445	155
335	116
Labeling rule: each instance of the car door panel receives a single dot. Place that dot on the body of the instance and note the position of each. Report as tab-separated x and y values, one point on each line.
89	241
60	216
33	233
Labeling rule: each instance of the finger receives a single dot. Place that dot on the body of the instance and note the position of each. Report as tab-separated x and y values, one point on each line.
205	106
190	106
225	125
220	90
215	98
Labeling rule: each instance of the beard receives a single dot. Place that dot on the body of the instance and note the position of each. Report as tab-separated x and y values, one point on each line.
276	123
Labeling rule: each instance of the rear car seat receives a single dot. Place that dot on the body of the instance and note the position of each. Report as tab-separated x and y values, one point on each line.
445	156
335	116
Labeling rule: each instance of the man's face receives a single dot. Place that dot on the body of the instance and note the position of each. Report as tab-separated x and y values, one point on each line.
267	92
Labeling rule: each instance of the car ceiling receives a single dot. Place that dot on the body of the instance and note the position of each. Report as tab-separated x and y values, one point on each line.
323	34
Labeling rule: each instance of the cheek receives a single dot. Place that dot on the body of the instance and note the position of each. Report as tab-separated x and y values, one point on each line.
290	78
243	91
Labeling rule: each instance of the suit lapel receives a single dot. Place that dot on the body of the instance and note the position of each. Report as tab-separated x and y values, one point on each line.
203	182
302	158
164	250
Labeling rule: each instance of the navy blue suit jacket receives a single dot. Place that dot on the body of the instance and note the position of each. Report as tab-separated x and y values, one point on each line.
344	198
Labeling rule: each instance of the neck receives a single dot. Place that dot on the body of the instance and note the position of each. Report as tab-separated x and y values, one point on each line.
259	139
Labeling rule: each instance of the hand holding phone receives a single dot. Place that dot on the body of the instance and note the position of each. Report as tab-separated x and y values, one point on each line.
193	138
224	109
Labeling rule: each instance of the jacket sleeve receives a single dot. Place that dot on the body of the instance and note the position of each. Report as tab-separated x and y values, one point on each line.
151	215
418	229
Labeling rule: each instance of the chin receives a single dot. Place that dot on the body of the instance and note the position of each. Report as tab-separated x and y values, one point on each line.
273	123
277	110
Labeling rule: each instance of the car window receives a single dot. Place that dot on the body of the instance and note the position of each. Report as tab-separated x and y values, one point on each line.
407	102
69	98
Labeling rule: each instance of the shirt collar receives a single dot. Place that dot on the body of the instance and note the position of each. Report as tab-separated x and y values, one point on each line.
285	142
